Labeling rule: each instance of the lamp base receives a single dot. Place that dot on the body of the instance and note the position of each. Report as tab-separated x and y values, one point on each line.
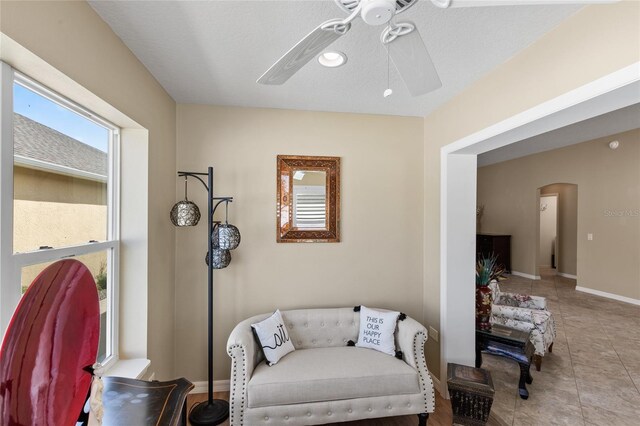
204	414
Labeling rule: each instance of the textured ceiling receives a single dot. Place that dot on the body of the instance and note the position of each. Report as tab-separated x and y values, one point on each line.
212	52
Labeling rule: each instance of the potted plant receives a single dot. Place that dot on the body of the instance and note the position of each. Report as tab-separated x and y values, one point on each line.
487	270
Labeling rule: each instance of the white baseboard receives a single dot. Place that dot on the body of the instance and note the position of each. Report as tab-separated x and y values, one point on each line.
562	274
522	274
218	386
608	295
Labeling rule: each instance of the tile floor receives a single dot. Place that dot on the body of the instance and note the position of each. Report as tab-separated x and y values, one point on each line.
593	375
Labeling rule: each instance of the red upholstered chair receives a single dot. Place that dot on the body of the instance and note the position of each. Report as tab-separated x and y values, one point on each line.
51	339
47	352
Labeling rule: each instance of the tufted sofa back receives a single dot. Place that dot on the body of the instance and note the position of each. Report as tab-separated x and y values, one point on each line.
318	328
321	328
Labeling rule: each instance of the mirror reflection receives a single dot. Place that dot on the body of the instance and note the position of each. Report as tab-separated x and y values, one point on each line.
309	199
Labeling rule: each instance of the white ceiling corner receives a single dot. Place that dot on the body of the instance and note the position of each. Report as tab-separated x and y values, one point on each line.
212	52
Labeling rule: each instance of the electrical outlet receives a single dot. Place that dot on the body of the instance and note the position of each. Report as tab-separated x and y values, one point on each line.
433	333
590	237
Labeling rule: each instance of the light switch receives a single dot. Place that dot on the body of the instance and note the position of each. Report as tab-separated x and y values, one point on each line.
590	237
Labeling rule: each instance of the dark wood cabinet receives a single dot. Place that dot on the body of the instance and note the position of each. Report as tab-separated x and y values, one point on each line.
487	244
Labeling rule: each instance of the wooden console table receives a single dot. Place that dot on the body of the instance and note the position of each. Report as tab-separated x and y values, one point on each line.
142	403
509	343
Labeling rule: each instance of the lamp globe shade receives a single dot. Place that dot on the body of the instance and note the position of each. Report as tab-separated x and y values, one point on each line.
221	258
185	213
225	236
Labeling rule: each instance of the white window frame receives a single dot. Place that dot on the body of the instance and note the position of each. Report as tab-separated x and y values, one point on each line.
11	263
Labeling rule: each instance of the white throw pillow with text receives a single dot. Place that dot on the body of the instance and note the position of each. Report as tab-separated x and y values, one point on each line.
377	330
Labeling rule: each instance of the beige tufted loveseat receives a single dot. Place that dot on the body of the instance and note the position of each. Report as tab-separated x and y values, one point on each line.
324	380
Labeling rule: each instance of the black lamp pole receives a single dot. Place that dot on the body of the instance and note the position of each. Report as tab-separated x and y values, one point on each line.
212	411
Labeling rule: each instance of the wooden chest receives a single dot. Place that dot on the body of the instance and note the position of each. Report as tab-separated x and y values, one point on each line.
471	391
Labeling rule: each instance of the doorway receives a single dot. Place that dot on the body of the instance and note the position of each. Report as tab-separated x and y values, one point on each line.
548	232
458	164
563	259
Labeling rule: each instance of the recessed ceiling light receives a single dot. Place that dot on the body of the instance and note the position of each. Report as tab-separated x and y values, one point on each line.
332	59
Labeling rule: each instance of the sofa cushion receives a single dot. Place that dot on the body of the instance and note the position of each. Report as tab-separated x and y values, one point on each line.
330	374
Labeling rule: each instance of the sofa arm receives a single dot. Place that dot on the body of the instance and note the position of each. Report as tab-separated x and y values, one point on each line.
522	301
245	355
410	339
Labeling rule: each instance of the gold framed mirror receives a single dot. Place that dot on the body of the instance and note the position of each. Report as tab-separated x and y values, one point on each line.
308	199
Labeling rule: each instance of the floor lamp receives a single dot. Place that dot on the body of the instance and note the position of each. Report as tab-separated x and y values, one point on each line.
221	238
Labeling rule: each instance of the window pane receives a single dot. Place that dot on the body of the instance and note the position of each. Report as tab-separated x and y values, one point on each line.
97	264
60	174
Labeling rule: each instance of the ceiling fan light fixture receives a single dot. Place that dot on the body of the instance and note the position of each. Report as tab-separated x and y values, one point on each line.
377	12
332	59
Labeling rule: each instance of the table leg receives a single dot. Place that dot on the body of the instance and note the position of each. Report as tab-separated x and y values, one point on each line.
525	377
538	360
478	356
183	416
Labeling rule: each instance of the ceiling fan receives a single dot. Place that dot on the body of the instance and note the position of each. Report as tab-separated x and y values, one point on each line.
401	39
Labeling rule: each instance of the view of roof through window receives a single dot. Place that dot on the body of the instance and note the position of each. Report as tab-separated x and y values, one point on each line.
60	188
38	108
61	172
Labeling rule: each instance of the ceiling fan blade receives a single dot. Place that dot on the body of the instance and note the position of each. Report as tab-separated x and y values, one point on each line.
412	60
314	43
472	3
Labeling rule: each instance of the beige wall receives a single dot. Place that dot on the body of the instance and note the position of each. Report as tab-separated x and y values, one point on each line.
567	255
40	223
608	206
594	42
57	210
608	184
72	38
378	262
37	185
